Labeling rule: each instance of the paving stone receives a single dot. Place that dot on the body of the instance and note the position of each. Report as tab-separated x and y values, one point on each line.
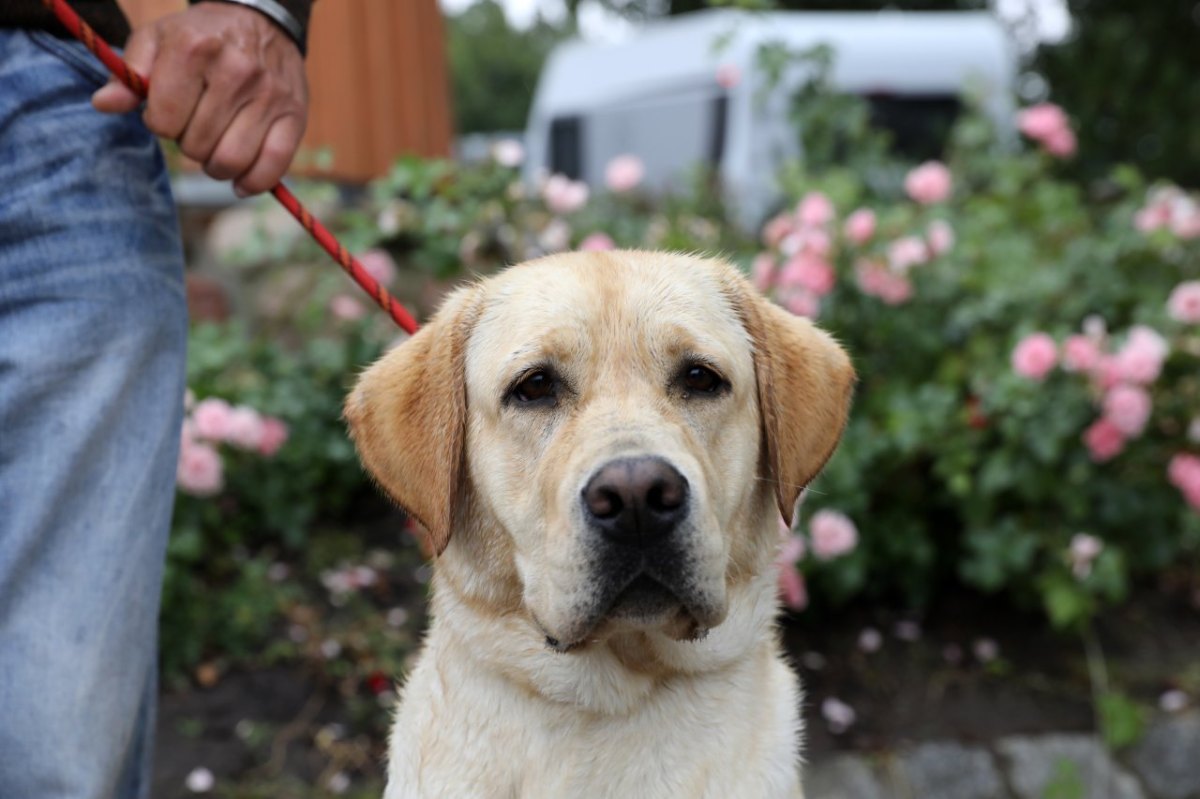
950	771
842	777
1036	763
1168	758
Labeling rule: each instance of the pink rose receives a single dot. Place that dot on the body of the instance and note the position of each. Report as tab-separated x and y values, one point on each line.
808	272
624	173
929	183
1140	360
199	472
801	302
1084	549
245	428
1061	143
1184	473
792	587
1184	470
597	242
1128	408
1151	218
907	252
833	534
814	210
811	241
728	76
762	271
347	308
1104	440
274	435
777	229
378	265
1041	121
210	419
1080	354
1106	373
1184	303
940	237
1034	356
1046	124
860	226
563	195
876	280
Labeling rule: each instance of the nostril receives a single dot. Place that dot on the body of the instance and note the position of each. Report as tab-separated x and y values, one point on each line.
665	495
604	503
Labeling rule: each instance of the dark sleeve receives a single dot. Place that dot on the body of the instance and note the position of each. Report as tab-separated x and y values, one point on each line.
299	9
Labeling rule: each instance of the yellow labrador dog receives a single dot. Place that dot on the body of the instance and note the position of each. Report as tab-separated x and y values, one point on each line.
600	446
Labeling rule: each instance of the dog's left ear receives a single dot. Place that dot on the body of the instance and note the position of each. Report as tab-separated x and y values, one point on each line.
408	413
805	383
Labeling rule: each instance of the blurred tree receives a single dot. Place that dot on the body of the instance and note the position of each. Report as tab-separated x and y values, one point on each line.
494	68
1129	74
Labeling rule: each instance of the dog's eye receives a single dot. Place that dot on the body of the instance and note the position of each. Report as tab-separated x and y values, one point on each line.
538	386
699	379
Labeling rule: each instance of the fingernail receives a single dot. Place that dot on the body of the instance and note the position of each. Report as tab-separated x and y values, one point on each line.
240	192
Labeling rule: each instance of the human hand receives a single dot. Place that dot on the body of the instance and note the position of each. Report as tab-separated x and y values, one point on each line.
227	84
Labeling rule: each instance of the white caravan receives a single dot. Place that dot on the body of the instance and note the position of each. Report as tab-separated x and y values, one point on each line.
671	96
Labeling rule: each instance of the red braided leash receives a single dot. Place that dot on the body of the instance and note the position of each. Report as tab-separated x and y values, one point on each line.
122	71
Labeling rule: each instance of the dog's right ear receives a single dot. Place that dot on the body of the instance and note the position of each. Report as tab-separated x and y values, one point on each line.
408	414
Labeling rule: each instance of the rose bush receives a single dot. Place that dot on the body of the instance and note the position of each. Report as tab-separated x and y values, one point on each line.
1027	348
1029	359
264	458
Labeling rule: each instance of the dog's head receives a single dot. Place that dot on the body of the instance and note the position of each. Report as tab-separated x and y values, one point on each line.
621	428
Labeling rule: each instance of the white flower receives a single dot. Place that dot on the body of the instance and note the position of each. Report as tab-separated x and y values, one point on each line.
339	783
986	650
1173	701
200	780
870	640
838	715
1083	551
907	630
508	153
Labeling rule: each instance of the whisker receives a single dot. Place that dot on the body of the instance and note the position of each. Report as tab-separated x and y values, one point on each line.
809	488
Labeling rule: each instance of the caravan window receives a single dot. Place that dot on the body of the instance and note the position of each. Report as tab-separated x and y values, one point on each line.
918	123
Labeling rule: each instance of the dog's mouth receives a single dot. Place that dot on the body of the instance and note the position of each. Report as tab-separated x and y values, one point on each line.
642	601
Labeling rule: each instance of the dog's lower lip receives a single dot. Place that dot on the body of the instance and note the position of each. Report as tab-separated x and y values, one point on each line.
642	596
559	646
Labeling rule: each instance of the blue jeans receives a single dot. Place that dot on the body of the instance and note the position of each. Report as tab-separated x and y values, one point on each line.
93	334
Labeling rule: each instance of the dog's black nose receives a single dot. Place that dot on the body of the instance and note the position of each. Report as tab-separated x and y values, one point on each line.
636	500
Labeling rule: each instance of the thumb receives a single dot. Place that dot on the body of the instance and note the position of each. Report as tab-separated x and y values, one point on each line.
115	97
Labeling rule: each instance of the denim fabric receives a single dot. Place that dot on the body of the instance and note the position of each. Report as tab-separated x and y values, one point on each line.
92	338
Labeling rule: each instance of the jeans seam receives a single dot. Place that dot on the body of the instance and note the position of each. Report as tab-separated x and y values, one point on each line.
73	53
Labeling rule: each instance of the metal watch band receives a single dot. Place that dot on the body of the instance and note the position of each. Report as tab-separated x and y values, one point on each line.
280	16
